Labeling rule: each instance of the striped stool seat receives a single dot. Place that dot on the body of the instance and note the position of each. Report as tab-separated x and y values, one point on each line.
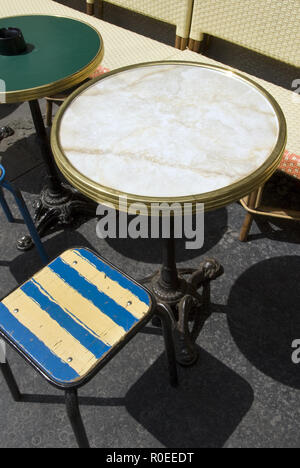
71	318
71	314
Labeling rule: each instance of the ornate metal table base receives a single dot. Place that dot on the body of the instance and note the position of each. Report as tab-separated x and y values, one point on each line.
57	209
58	203
188	304
188	300
5	132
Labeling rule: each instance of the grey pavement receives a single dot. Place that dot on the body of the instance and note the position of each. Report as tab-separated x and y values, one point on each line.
244	389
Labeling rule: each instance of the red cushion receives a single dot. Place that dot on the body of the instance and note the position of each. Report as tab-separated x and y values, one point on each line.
99	71
290	164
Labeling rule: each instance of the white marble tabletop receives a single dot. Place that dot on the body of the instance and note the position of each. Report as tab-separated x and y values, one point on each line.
169	130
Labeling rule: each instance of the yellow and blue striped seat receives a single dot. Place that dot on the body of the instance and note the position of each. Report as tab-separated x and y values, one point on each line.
71	314
71	318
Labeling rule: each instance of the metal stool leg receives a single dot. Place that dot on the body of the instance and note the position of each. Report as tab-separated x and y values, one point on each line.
5	207
30	224
10	381
165	315
75	418
7	373
28	220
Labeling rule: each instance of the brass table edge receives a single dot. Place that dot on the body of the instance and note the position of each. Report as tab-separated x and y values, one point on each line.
212	200
58	86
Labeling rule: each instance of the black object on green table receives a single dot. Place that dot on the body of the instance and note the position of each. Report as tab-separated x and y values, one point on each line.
11	41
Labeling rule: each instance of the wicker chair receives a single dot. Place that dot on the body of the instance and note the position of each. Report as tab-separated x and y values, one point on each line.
176	12
269	27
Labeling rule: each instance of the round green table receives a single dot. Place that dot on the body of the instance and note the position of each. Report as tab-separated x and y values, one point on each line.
61	53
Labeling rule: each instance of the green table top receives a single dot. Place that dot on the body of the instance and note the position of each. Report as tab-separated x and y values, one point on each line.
61	52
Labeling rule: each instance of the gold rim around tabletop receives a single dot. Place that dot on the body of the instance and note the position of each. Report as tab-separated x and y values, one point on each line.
212	200
58	86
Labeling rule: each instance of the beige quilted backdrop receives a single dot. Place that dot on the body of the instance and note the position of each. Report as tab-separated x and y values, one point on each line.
270	27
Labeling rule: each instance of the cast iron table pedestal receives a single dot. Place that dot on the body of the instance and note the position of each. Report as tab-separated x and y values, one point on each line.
57	203
188	300
5	132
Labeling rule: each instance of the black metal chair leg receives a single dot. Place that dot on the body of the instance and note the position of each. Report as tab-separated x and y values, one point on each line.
165	315
75	418
10	381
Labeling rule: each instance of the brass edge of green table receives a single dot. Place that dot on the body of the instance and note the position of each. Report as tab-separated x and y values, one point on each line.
59	85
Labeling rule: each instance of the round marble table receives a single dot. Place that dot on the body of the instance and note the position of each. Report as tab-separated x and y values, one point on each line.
61	53
171	132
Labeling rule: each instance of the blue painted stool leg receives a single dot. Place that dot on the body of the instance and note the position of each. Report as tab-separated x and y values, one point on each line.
28	220
5	207
31	227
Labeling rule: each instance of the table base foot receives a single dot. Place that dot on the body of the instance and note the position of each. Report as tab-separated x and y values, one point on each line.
6	132
189	304
55	209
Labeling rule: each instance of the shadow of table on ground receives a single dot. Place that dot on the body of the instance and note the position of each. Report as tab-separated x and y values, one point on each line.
26	264
150	250
206	408
264	319
203	411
